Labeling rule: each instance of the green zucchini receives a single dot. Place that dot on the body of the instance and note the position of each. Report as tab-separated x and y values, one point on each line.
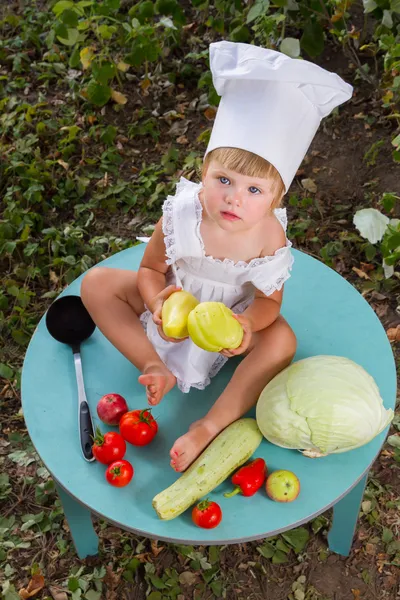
228	451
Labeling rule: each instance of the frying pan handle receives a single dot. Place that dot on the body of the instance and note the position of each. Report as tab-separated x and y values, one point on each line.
86	432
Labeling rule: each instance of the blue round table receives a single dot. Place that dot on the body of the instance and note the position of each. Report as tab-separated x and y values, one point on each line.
328	316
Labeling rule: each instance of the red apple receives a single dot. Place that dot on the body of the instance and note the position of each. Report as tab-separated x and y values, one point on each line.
282	486
110	408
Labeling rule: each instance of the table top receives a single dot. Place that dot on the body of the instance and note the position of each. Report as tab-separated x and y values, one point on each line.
328	316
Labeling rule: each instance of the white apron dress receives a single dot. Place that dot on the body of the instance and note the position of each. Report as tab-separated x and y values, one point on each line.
208	279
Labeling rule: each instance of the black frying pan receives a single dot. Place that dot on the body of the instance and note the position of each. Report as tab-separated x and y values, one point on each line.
69	322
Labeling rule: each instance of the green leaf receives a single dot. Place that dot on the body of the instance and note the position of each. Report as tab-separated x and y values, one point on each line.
70	18
297	538
6	372
112	4
6	524
98	94
217	588
395	6
21	457
258	9
28	524
394	440
312	40
396	141
280	545
166	7
156	581
240	34
213	554
61	6
369	5
387	535
291	47
370	252
155	596
73	584
267	550
4	480
279	558
104	73
388	201
92	595
108	134
387	20
9	592
393	547
70	38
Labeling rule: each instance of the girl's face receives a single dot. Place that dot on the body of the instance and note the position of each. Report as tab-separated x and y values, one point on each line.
234	201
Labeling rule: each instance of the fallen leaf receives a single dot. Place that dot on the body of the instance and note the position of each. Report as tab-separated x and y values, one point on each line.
155	549
122	66
91	119
58	593
86	55
63	164
118	97
34	586
144	557
381	309
366	506
188	578
210	113
336	17
356	593
370	549
111	580
393	334
145	84
361	273
368	267
309	185
53	277
182	140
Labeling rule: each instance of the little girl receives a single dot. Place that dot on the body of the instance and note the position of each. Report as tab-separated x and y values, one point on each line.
223	240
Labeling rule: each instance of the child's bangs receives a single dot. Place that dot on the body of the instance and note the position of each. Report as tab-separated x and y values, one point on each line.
249	164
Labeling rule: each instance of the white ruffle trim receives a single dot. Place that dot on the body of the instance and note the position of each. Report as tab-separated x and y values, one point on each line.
280	214
168	219
184	185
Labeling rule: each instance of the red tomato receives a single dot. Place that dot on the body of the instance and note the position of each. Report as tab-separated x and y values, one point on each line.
108	447
119	473
207	514
138	427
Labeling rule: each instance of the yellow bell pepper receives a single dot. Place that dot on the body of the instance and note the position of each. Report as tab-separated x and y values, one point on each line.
174	314
212	327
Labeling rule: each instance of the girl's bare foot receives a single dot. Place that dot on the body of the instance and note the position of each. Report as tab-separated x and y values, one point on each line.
187	448
158	381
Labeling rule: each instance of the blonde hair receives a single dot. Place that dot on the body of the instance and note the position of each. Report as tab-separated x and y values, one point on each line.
249	164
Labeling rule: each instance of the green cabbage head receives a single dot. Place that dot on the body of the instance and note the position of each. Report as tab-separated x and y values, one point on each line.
322	405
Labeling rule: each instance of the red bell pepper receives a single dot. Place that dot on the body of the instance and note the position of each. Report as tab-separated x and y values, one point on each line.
249	478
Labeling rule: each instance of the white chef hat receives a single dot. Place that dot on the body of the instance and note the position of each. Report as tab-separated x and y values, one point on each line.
271	104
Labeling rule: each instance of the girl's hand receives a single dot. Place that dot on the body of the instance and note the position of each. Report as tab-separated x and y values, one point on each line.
247	335
157	304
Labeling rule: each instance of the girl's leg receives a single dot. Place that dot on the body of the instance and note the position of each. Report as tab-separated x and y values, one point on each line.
272	349
114	303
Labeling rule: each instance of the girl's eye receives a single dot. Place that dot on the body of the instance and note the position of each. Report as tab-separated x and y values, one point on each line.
224	180
254	190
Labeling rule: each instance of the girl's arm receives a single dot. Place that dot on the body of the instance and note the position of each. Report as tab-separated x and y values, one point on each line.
263	311
153	268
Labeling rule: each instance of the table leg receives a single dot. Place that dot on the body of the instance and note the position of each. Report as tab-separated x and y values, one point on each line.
80	524
345	515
